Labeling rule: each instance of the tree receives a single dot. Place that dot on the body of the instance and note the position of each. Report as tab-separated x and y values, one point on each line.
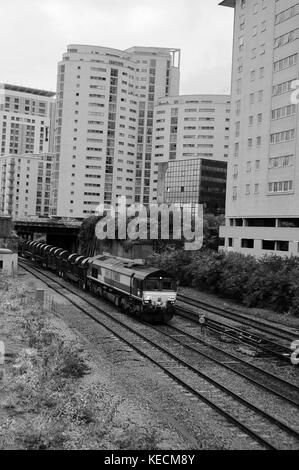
211	224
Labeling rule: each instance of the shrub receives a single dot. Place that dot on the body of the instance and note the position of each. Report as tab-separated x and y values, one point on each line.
70	363
294	286
269	282
175	262
204	270
235	273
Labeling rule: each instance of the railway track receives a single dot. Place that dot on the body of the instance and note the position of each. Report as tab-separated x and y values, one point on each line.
280	332
265	343
264	379
253	422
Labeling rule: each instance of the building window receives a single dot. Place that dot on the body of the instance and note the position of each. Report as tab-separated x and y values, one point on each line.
268	245
280	187
285	63
282	246
247	243
287	14
284	111
286	38
284	136
284	160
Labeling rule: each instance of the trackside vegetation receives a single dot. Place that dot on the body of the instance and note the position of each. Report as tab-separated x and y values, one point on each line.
49	398
271	282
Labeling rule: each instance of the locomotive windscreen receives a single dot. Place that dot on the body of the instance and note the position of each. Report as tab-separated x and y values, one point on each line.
160	284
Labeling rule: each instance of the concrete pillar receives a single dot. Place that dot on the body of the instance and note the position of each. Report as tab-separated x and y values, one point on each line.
293	248
258	245
2	359
40	297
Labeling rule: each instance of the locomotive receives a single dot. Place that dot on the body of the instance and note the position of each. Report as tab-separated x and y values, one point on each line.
145	292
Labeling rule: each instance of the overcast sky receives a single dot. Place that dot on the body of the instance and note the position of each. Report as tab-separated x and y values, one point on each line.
35	33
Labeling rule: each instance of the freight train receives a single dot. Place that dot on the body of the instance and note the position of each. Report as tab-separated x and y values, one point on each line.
145	292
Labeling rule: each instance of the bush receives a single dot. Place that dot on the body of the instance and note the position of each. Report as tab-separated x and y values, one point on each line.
204	270
236	272
269	282
176	262
70	363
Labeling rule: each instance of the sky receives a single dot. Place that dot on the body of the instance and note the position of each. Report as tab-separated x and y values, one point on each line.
35	33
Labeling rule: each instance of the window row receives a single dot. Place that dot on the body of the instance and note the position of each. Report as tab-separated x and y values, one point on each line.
287	14
286	38
284	111
284	160
284	136
280	187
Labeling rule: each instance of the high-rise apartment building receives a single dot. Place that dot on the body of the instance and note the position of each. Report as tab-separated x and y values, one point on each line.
26	118
157	76
104	124
25	184
262	206
190	127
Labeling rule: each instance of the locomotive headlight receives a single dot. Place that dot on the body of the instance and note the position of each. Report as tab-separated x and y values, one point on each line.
171	300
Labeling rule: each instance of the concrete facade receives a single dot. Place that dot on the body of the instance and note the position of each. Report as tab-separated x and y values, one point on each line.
8	262
25	184
262	205
26	119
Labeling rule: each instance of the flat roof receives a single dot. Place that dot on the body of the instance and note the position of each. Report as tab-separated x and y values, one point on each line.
228	3
206	98
23	89
151	50
5	251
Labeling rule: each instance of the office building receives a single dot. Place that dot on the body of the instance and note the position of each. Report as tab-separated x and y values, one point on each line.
193	181
190	127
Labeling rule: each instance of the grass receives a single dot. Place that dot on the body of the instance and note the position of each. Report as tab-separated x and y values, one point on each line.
45	402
